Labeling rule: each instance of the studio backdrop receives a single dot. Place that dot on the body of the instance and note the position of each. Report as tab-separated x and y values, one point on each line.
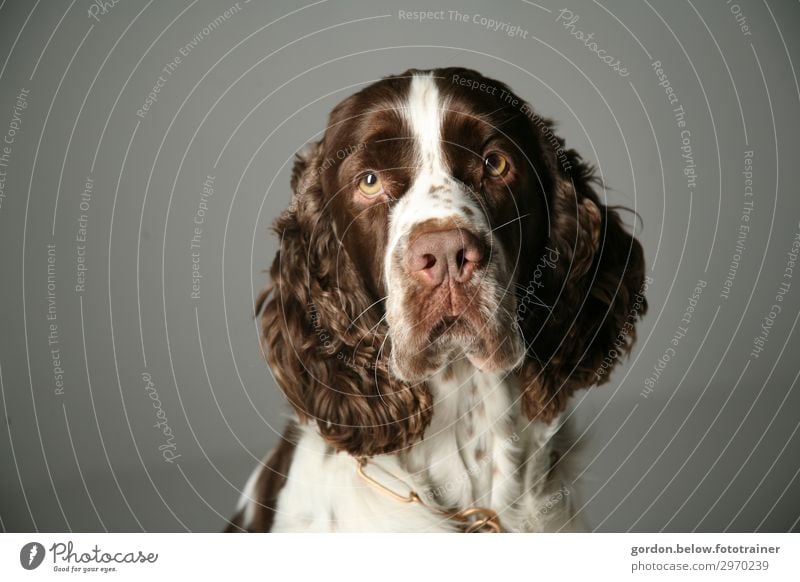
147	148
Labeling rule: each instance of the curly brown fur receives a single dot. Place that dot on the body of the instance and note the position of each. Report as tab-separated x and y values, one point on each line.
593	291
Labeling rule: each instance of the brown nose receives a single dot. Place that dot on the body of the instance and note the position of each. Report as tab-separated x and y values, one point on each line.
435	257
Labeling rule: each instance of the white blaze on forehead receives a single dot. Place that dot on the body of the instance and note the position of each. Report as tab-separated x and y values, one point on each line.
424	113
433	193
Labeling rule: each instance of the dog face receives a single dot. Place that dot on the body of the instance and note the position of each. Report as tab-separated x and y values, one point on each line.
438	203
439	218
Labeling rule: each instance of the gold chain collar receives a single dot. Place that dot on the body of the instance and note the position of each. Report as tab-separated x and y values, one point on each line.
472	519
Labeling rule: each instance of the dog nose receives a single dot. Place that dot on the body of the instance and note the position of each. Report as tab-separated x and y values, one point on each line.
434	257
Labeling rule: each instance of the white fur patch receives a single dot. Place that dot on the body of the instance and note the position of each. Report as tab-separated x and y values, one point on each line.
474	412
424	111
324	493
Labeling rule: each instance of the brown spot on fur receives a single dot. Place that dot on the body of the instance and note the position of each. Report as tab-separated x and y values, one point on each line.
555	457
467	210
268	485
448	374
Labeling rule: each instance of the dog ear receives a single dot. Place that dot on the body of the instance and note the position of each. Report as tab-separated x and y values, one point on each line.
590	294
328	369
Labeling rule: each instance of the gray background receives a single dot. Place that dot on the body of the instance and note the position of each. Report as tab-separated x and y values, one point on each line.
713	447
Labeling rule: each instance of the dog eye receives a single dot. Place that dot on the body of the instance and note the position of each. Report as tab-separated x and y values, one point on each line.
496	165
370	184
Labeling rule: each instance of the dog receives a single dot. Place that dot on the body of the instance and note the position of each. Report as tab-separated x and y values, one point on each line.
447	278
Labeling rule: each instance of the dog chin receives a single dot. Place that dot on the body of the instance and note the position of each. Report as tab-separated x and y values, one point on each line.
504	355
498	363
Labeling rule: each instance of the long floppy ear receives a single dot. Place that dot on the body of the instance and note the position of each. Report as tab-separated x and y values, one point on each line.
330	367
590	289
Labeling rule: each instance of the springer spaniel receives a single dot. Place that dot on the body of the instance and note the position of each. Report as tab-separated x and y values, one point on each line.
447	278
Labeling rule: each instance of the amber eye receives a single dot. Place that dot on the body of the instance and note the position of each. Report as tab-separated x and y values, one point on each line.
496	165
370	184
